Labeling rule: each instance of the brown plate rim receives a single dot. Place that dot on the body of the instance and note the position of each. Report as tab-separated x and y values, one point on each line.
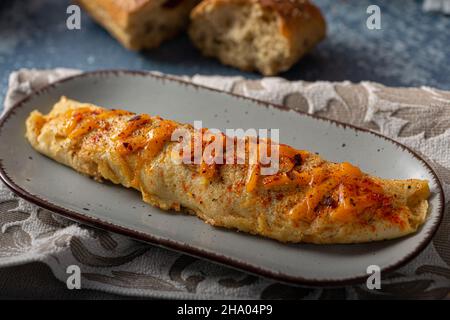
192	250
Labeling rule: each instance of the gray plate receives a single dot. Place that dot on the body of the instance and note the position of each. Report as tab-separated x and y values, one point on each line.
64	191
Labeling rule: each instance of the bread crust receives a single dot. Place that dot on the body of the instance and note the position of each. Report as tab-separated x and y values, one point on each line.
300	22
134	22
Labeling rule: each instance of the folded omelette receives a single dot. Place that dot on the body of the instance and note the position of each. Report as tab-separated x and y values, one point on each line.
307	200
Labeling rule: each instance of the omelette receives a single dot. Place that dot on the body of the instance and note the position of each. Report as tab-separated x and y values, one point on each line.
307	200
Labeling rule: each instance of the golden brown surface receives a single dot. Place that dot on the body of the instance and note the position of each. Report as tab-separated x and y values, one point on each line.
257	35
308	200
140	24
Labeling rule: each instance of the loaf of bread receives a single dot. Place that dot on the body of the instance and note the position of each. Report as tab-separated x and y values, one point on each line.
268	36
140	24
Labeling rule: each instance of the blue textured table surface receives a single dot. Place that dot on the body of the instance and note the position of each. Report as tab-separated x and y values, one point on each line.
411	49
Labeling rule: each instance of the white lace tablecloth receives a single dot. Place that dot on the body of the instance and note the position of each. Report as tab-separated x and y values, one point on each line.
417	117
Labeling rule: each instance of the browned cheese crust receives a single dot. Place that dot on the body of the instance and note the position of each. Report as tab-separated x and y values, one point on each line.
307	200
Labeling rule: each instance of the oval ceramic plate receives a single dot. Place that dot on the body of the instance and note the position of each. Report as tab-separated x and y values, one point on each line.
64	191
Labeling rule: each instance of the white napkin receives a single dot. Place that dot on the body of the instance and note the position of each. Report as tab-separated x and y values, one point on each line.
418	117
